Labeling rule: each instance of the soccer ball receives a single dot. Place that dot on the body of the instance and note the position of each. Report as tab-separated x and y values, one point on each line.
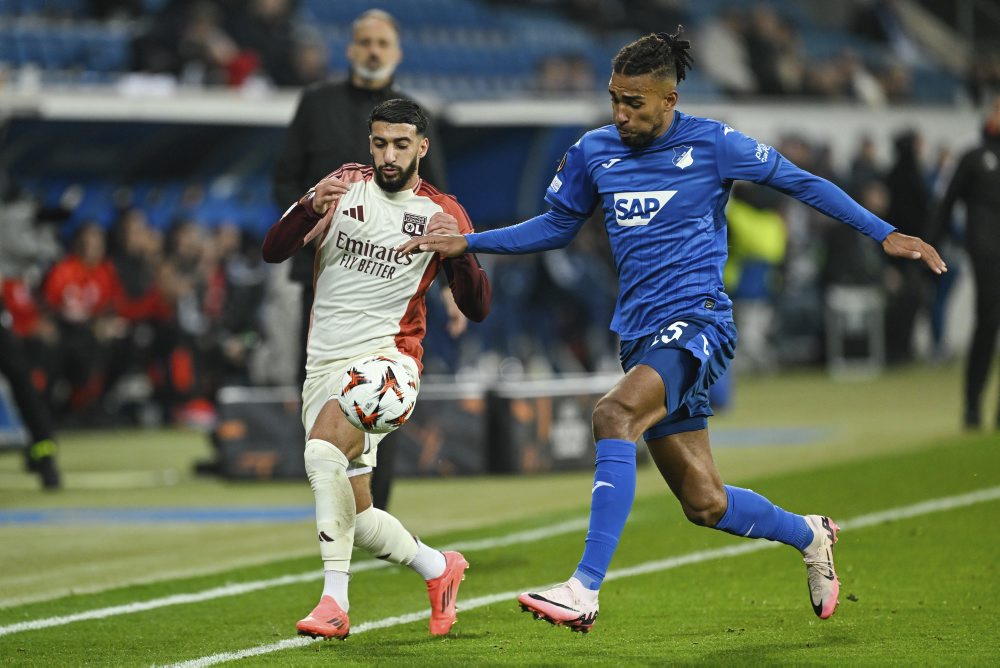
377	394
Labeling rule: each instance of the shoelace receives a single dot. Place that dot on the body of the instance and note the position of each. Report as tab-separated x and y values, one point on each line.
820	568
819	561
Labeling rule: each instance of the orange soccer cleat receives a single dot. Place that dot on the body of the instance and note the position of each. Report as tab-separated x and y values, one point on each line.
327	620
443	592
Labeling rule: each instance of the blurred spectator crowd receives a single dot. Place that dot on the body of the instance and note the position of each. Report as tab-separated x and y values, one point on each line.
229	42
133	316
869	51
125	322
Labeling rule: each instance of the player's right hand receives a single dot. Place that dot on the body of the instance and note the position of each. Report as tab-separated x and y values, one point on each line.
914	248
326	192
448	245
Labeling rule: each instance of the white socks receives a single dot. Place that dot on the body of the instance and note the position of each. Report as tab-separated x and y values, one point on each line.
429	562
384	537
335	585
339	529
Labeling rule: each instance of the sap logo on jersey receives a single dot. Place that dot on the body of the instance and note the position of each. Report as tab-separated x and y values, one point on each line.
633	209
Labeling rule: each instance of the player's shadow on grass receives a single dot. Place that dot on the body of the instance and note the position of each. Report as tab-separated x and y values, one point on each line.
426	639
390	647
769	653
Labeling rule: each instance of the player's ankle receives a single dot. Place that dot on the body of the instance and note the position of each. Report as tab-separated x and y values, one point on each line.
583	593
428	562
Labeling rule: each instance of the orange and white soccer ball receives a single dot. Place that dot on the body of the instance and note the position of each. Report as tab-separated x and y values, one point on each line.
377	394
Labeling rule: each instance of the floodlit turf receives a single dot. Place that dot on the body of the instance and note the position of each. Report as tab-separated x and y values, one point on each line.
915	590
904	410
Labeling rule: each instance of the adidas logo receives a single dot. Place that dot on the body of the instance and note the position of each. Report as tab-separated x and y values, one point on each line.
355	212
446	598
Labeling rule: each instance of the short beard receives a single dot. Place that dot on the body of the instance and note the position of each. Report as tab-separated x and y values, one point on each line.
638	141
368	74
394	185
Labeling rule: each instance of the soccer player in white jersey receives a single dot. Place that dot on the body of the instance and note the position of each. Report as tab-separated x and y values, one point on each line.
370	301
662	179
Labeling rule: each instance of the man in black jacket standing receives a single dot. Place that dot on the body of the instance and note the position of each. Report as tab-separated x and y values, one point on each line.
977	183
330	128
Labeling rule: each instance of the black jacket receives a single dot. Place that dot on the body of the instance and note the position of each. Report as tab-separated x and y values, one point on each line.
330	129
977	183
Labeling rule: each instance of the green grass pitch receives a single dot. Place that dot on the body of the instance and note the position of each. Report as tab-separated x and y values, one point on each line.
916	586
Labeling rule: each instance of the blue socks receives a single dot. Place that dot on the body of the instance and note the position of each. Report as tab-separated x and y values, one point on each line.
610	503
748	514
752	516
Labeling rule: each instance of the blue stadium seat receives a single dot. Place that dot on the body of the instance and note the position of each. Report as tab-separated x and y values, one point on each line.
107	51
8	49
935	86
153	6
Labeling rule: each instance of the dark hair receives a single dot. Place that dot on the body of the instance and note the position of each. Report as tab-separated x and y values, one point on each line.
399	111
663	55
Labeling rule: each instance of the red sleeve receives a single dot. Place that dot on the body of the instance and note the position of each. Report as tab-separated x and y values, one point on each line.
112	291
468	282
21	305
55	283
152	305
285	237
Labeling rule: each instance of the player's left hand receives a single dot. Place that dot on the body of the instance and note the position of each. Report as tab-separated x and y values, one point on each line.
914	248
442	223
457	322
448	245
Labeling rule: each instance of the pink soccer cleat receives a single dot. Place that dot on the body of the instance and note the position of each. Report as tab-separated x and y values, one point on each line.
824	587
443	592
563	605
327	620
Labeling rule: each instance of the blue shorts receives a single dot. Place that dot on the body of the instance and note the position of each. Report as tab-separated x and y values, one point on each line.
689	354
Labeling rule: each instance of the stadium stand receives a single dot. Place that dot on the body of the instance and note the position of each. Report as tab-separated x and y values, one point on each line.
456	52
456	49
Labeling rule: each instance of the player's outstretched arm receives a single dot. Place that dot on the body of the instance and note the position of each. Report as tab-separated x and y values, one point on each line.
553	229
914	248
829	199
448	245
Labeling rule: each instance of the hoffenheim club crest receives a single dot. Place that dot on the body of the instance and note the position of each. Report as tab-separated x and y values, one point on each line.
683	156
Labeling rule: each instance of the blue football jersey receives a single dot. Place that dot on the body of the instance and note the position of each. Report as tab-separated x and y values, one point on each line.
664	211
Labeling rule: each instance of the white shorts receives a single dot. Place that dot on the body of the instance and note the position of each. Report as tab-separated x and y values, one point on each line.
325	387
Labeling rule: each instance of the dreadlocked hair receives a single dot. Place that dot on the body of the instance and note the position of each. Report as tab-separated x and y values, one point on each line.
661	54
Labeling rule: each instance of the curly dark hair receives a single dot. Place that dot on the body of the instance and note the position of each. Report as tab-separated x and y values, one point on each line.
663	55
400	111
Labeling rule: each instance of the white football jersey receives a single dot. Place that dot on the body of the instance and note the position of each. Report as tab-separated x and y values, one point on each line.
367	295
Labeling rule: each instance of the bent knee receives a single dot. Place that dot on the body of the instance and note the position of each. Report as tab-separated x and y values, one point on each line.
317	449
615	418
706	512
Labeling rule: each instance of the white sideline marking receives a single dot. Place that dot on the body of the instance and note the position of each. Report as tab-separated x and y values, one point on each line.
871	519
165	575
528	536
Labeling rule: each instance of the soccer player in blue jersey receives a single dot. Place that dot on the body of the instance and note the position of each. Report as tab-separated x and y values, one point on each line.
662	179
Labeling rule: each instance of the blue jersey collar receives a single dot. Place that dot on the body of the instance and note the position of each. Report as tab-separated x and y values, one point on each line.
671	131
